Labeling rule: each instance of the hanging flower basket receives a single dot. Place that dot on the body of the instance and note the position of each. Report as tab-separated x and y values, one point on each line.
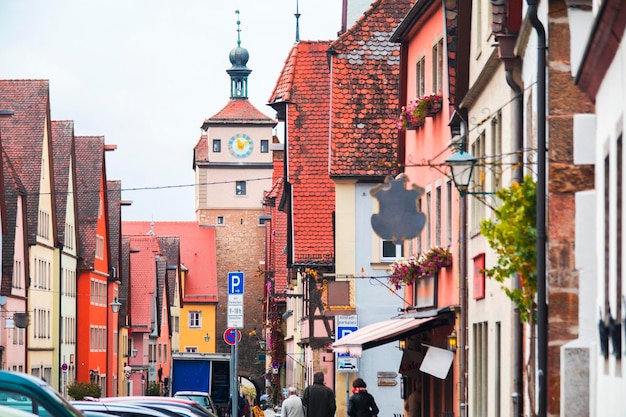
407	271
432	104
413	115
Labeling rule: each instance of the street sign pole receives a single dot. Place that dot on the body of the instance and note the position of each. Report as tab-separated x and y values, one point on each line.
235	319
233	394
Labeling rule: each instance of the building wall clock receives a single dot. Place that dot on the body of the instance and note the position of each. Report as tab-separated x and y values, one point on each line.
240	145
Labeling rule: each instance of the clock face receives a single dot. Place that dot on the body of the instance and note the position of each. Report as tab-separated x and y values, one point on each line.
240	145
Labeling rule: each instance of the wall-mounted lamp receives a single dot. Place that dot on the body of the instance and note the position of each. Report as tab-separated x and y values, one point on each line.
207	337
133	353
115	306
402	344
462	166
452	341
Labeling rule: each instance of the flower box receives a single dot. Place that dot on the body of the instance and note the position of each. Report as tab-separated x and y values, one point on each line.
414	114
408	271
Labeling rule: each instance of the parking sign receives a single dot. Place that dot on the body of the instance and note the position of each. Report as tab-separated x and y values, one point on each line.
235	283
345	326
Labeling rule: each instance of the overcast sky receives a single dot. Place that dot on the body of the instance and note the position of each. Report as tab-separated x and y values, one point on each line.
145	74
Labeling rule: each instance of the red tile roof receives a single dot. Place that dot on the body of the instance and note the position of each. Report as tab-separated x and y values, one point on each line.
304	84
276	238
114	198
63	153
366	76
89	178
23	137
197	254
143	250
238	111
12	189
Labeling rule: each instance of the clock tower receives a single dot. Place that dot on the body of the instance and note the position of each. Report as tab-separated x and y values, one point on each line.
233	168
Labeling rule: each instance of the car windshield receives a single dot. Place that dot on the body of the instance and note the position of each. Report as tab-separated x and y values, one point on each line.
55	396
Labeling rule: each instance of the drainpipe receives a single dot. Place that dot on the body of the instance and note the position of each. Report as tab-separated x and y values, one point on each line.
506	49
542	307
463	287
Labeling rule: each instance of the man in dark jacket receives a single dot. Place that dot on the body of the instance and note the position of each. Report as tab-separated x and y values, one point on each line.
318	399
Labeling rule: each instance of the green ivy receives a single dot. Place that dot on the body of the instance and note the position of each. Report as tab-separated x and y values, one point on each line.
513	236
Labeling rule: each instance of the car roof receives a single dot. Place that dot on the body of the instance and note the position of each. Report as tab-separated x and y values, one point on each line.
145	398
191	393
168	402
113	407
180	409
6	411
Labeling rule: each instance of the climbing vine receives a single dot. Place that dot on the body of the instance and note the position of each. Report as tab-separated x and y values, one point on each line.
513	236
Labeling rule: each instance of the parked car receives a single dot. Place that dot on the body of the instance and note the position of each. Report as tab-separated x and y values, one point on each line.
31	394
182	406
118	409
6	411
202	398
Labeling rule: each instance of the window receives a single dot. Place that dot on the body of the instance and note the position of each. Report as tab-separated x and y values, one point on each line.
438	216
265	146
43	225
391	250
428	224
420	78
18	281
263	220
449	191
496	150
438	67
240	188
195	319
476	206
219	220
217	145
418	242
191	349
481	382
99	247
69	236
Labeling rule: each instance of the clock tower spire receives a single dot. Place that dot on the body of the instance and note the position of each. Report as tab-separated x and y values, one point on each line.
238	72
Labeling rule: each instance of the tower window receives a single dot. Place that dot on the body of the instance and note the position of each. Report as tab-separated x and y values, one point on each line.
265	146
217	145
240	188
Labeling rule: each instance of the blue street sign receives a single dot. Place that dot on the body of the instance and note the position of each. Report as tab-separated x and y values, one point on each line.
344	331
235	283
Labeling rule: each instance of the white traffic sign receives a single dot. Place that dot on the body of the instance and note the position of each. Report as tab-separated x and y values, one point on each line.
345	326
235	283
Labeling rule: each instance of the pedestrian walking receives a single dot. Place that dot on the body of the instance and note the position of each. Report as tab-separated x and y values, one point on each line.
292	405
361	403
318	399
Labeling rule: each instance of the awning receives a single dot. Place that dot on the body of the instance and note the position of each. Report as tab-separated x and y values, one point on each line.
379	334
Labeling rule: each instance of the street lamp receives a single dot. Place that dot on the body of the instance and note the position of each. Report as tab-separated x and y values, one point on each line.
207	337
462	165
115	306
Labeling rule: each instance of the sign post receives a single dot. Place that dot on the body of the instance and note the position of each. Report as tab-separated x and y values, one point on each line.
234	320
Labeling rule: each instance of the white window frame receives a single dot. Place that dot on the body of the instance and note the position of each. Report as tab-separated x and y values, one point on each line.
399	251
195	319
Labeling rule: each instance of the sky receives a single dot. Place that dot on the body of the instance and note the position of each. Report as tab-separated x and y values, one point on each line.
145	74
